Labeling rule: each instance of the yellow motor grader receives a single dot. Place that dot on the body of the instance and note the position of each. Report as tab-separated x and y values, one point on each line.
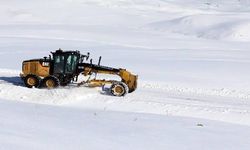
64	67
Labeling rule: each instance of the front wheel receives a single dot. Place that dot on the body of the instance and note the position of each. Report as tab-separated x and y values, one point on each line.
118	89
50	82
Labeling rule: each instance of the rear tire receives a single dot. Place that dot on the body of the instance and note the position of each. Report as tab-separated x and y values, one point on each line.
51	82
32	81
118	89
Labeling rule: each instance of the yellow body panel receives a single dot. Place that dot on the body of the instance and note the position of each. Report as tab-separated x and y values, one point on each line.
36	68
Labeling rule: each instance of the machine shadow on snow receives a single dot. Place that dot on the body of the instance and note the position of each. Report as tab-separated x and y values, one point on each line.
13	80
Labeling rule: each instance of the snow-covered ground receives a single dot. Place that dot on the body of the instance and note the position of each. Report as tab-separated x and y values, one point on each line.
191	56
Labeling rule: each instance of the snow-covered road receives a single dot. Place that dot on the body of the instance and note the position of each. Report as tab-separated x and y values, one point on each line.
32	126
152	98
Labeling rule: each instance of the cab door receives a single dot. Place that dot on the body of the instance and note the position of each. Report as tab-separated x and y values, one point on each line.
59	64
71	64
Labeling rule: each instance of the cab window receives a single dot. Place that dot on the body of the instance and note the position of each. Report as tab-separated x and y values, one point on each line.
71	64
59	64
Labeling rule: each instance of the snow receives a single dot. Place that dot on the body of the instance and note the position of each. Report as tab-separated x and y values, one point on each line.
192	59
33	126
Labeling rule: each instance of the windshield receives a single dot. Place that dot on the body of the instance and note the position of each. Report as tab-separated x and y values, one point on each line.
65	63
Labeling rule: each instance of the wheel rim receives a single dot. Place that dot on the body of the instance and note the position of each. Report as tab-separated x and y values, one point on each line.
118	90
31	81
50	83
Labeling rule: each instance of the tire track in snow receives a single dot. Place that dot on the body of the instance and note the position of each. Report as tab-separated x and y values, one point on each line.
167	102
178	102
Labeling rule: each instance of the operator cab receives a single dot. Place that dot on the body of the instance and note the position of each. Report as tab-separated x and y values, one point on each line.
65	62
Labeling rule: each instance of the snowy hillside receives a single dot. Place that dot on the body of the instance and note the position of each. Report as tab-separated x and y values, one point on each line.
192	58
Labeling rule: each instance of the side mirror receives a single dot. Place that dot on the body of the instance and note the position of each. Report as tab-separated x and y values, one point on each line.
100	59
87	56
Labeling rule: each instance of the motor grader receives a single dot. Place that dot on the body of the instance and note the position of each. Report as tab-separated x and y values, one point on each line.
64	67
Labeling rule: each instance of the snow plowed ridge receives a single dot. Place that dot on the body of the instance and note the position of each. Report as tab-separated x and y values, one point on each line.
222	92
11	83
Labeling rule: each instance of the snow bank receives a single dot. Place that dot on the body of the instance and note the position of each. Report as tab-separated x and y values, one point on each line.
215	27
